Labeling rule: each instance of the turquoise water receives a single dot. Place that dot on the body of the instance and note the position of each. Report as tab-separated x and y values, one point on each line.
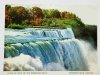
28	35
51	45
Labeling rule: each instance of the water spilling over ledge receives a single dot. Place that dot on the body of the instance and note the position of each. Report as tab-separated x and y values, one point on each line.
50	45
22	36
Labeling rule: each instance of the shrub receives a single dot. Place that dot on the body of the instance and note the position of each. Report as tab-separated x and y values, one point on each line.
16	26
63	23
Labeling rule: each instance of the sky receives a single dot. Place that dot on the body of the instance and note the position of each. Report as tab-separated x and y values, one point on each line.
87	11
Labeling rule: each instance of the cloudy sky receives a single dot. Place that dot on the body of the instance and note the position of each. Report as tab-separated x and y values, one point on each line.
86	10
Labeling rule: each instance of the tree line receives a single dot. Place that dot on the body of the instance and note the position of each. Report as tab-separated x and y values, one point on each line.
35	15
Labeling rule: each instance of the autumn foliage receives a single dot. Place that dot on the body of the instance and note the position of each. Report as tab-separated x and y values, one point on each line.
34	16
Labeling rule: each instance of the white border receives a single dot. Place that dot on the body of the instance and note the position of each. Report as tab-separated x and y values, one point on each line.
69	2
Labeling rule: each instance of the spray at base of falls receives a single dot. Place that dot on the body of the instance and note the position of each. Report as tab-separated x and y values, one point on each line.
90	54
27	63
22	63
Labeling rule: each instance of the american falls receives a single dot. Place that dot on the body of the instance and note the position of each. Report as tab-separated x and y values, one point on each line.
33	49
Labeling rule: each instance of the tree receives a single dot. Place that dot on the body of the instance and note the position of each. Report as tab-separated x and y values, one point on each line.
7	7
37	12
36	16
53	13
18	14
8	19
46	13
68	15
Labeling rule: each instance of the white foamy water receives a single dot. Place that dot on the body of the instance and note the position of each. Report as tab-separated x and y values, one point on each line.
23	63
27	63
54	67
90	54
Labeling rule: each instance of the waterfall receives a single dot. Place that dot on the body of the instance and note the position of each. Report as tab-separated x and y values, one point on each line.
48	45
62	33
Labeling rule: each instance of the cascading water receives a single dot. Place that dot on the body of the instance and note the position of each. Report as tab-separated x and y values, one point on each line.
52	46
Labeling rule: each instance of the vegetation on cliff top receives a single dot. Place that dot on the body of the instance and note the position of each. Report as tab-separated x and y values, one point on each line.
36	16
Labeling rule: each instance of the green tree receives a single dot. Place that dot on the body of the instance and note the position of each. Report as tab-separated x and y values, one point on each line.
53	13
46	13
